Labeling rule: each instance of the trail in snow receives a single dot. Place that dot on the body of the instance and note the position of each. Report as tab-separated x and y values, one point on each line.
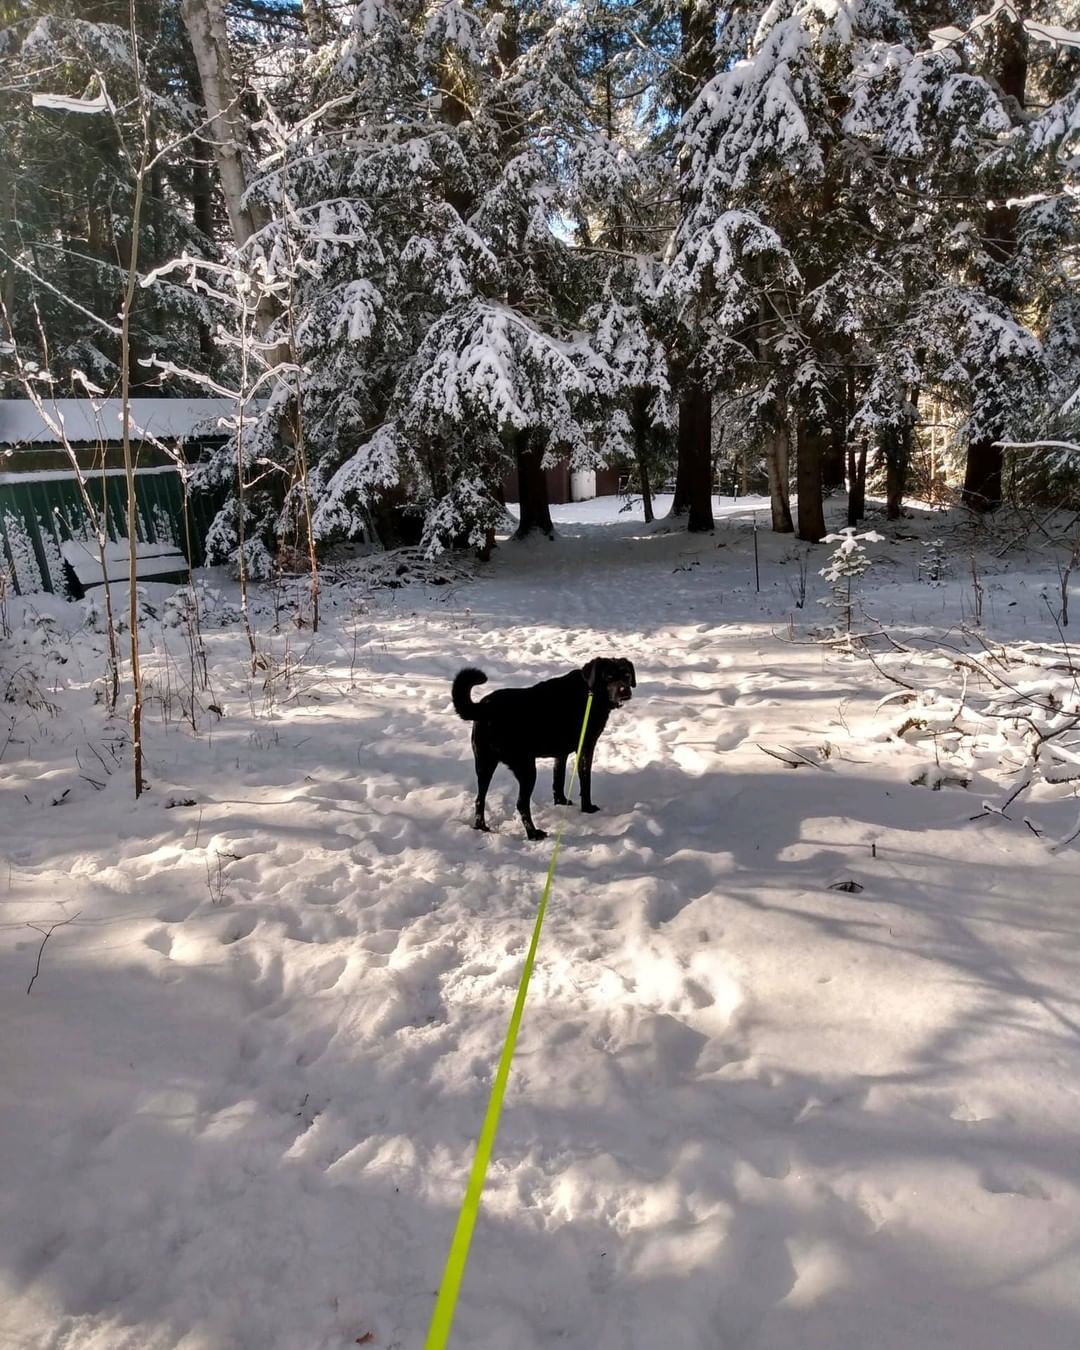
747	1110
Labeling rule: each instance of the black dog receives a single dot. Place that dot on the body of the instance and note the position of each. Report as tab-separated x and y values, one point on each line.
516	727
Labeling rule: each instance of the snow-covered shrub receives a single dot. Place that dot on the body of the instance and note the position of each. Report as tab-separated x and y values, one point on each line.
92	613
201	601
1010	712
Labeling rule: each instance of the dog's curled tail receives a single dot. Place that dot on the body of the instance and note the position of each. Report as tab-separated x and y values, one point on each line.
465	681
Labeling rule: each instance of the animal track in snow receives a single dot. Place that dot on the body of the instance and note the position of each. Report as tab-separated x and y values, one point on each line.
1004	1181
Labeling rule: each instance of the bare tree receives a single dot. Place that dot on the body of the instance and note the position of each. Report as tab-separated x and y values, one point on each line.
146	158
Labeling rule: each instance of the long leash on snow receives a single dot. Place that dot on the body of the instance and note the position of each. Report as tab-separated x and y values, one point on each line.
442	1319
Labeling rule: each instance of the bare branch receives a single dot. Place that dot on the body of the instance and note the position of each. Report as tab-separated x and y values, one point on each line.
48	934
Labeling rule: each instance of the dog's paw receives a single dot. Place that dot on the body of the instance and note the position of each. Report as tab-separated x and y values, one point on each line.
590	809
481	826
562	801
536	835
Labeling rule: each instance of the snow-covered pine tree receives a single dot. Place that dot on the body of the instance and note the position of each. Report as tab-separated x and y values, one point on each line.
986	220
69	147
1053	145
765	138
497	371
335	151
621	196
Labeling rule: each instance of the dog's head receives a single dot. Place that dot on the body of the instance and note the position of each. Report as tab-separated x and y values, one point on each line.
612	677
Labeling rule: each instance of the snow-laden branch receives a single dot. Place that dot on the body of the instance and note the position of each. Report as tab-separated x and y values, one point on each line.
1040	445
64	103
1042	32
111	329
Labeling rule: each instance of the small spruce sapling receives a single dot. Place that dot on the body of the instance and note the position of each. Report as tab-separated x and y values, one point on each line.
935	560
848	563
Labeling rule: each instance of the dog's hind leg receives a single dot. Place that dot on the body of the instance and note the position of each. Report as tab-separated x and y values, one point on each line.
525	772
558	781
486	764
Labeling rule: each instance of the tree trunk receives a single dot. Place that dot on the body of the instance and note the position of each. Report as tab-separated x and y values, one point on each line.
983	472
695	455
856	483
894	488
8	239
696	65
532	486
808	483
832	462
315	21
202	210
681	502
646	494
842	391
777	451
639	419
897	448
488	547
202	197
811	441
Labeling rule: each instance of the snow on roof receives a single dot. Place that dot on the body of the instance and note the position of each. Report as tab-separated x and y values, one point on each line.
85	422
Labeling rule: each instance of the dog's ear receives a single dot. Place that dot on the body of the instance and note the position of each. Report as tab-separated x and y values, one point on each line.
633	675
589	673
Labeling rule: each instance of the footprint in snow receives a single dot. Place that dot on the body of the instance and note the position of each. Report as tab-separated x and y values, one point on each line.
328	975
176	911
159	940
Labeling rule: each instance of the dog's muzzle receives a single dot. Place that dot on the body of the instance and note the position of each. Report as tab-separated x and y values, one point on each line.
621	694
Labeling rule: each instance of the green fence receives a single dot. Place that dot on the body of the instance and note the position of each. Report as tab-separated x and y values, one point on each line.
40	510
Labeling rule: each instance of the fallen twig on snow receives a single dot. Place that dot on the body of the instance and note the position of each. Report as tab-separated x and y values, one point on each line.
48	932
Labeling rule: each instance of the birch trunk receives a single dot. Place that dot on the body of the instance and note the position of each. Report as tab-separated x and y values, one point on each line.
205	24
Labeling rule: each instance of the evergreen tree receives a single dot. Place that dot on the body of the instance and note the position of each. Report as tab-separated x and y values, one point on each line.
70	142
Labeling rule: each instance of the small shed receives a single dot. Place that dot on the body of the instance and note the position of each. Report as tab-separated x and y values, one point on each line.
568	485
47	539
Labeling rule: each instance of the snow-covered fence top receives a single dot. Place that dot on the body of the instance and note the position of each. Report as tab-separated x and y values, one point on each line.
91	422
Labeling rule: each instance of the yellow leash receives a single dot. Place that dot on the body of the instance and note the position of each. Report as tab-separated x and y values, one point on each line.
442	1319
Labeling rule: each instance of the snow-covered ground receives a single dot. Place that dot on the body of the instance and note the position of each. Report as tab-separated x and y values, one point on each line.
748	1110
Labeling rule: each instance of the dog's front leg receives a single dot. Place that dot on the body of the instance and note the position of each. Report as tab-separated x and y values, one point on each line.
585	773
558	781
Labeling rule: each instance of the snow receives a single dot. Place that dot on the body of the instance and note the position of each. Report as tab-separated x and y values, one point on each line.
85	421
748	1109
